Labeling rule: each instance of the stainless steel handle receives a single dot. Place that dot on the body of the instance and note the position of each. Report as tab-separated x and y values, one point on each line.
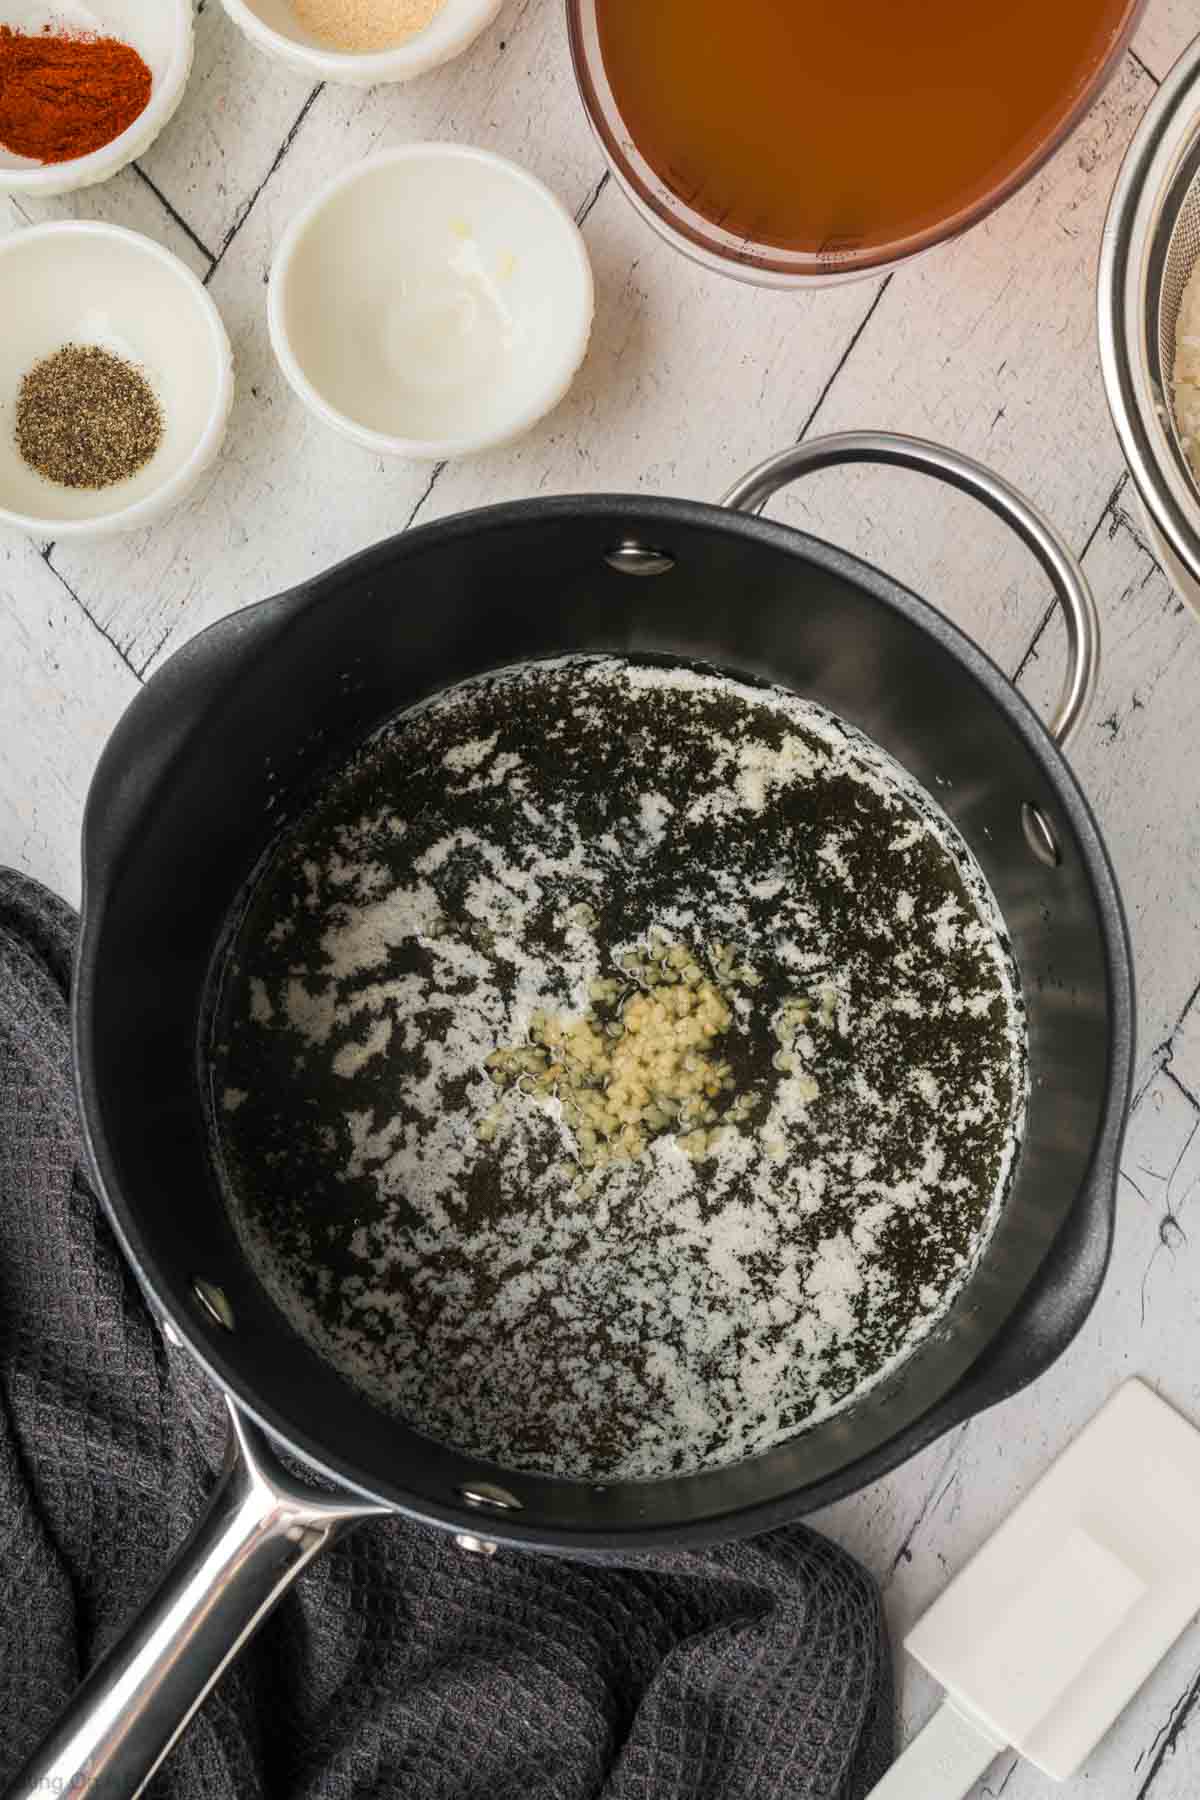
260	1530
969	477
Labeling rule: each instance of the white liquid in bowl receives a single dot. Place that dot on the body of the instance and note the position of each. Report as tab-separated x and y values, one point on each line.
448	326
434	301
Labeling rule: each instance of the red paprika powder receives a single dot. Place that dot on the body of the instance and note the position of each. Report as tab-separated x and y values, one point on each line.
64	96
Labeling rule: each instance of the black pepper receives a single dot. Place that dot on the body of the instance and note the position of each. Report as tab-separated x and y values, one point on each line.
87	418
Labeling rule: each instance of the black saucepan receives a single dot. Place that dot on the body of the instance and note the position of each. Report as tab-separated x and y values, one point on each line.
182	806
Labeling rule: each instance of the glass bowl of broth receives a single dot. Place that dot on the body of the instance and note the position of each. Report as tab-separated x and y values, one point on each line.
799	142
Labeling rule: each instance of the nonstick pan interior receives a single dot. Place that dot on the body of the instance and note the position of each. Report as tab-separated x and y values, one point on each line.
243	719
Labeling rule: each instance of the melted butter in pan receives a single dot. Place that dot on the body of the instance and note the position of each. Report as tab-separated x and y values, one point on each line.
503	855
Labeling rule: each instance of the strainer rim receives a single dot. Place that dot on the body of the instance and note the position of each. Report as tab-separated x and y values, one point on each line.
1138	224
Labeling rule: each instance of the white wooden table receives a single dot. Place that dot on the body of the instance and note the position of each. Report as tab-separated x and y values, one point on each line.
987	344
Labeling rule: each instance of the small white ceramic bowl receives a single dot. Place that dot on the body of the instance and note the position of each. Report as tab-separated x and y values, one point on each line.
159	30
431	302
274	27
86	283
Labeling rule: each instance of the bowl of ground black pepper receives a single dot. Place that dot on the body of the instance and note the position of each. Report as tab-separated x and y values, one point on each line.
85	91
362	42
116	380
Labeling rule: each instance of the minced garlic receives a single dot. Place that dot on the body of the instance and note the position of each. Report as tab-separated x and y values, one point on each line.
652	1067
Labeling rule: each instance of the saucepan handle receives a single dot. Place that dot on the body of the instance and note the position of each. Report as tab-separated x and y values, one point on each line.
261	1528
969	477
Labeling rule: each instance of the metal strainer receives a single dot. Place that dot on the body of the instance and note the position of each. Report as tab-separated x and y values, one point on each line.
1182	251
1151	245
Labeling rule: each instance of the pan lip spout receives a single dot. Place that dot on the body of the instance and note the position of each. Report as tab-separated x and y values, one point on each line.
177	699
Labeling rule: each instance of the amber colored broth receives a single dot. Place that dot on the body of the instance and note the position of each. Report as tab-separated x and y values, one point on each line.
819	124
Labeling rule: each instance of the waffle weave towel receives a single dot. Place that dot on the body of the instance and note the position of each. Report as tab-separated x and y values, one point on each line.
399	1666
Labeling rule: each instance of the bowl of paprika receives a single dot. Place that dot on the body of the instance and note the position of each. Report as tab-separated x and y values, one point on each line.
84	93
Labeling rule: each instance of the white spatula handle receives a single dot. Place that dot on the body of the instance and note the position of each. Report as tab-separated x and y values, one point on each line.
943	1762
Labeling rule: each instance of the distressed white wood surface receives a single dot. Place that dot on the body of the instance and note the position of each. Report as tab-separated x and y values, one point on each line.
1164	33
987	344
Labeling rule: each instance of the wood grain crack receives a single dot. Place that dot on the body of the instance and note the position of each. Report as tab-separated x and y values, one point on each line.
991	1793
592	198
439	469
90	617
1111	512
1183	1088
252	202
152	655
173	213
1162	1057
1171	1235
1165	1743
844	358
935	1494
1137	62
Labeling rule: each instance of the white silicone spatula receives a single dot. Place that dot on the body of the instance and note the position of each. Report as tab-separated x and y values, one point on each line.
1051	1629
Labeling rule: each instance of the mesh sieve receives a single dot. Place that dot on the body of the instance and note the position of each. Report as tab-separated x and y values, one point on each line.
1180	251
1151	245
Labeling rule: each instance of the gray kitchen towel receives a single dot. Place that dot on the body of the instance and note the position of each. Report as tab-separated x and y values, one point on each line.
399	1666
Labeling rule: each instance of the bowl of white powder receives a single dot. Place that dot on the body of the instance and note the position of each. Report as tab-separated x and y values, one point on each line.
361	42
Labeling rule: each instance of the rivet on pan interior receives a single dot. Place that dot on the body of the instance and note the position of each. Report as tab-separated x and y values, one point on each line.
632	558
214	1302
484	1494
476	1546
169	1332
1039	835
